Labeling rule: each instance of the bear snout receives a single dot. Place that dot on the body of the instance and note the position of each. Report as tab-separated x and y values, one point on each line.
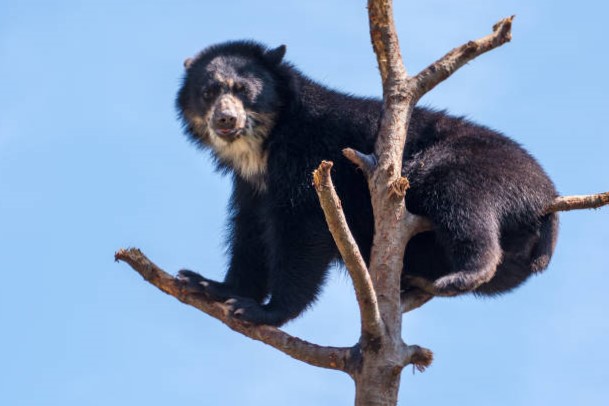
228	118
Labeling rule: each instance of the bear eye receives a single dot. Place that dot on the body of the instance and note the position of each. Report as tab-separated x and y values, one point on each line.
208	93
241	89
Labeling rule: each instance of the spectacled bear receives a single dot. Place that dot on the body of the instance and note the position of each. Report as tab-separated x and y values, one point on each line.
270	126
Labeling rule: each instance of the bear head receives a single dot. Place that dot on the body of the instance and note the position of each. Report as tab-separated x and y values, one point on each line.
228	103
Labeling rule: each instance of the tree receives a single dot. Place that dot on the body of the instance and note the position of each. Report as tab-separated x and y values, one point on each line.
375	362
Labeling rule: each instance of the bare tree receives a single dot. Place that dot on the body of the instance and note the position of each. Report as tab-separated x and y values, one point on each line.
376	361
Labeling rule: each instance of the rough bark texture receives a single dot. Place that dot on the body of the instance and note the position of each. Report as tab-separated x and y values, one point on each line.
567	203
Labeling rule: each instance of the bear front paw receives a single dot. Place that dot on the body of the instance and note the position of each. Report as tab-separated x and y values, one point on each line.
248	310
198	284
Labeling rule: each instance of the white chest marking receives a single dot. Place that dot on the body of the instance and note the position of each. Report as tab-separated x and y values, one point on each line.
245	155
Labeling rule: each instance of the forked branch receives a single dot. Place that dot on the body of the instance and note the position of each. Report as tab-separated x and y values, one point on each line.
400	91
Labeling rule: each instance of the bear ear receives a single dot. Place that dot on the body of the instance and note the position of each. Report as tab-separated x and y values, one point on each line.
275	56
187	63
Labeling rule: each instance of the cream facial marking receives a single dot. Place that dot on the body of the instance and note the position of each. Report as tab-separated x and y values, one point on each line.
246	153
232	106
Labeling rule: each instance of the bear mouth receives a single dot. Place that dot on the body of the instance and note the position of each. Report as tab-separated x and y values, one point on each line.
229	134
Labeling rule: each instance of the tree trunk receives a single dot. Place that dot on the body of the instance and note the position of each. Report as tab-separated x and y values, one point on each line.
377	386
377	376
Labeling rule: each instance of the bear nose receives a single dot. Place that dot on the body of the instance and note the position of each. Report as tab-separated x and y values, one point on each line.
225	120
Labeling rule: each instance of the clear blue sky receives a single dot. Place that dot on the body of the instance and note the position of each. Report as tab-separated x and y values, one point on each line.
92	159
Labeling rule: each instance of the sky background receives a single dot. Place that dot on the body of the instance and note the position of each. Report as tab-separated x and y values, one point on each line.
92	159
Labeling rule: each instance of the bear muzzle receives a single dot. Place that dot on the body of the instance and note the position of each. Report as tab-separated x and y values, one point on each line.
228	119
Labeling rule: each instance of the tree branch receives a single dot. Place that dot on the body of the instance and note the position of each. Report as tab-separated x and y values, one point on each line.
420	357
397	99
567	203
385	41
325	357
372	325
441	69
365	162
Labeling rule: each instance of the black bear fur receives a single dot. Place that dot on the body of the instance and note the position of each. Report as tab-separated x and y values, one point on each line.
270	126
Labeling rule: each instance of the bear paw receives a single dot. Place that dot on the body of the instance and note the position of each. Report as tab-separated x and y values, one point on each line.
453	285
248	310
196	283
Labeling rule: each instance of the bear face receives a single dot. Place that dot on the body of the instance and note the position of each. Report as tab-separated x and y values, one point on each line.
229	104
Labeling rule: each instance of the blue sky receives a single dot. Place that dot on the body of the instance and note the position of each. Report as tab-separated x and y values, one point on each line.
92	159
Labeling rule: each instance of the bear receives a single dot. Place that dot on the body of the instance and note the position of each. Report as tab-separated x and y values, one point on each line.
269	126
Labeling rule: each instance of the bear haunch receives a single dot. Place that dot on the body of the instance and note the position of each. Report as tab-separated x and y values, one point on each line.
270	126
